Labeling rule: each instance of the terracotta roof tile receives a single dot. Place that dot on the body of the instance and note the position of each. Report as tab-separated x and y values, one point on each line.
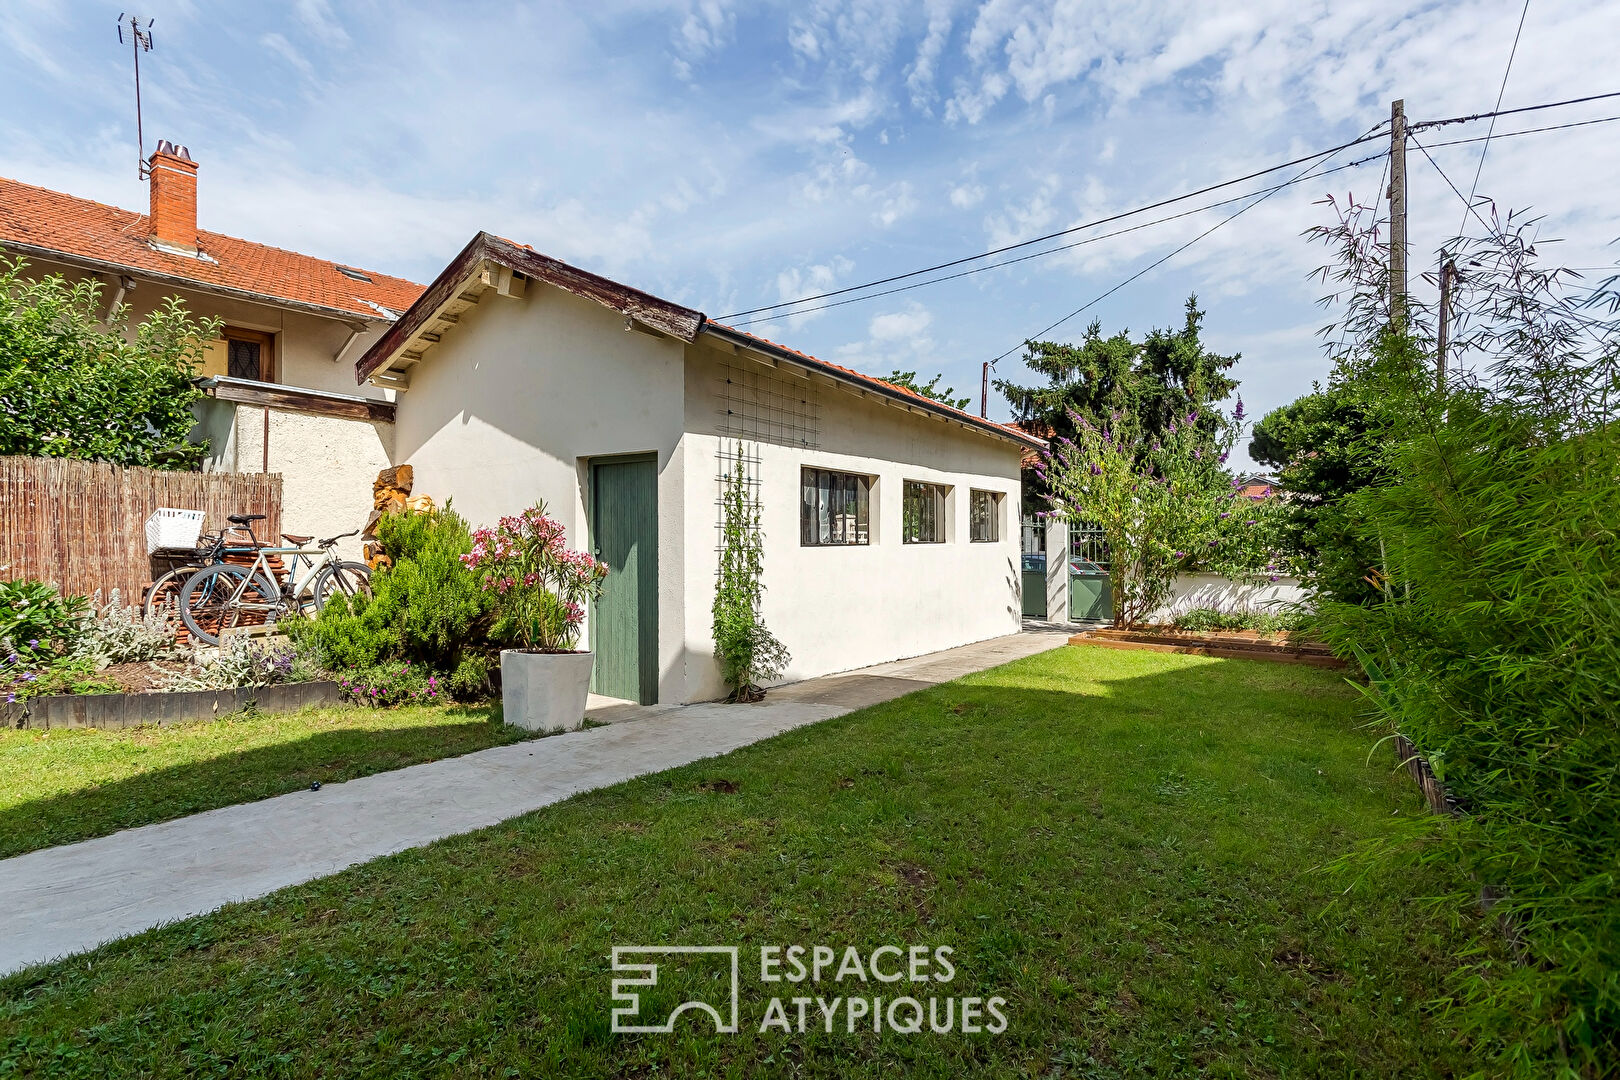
53	221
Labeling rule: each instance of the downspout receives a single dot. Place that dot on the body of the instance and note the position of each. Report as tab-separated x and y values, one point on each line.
266	439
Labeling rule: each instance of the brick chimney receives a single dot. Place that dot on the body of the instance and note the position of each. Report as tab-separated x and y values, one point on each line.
174	198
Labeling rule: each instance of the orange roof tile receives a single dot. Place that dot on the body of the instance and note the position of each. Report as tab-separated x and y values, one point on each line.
53	222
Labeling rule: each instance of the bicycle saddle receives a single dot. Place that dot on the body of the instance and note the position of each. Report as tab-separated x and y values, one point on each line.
243	519
295	539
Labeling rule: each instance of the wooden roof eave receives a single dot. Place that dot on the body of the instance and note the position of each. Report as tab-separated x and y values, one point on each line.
489	263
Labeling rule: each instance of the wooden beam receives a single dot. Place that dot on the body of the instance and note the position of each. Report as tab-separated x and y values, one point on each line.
299	399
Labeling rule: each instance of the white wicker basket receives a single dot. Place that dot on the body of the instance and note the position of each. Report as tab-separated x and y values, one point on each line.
172	528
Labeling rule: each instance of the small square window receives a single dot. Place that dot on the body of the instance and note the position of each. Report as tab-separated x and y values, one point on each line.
923	513
250	354
984	517
835	508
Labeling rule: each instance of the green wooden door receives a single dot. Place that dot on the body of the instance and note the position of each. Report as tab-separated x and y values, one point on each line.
624	534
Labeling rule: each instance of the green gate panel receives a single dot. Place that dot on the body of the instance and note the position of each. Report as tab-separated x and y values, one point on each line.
1091	598
624	620
1035	594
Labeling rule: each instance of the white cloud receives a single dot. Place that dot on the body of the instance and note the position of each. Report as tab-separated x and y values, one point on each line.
318	18
967	196
900	325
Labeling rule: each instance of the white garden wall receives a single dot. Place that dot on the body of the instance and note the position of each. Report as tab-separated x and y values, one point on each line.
1211	591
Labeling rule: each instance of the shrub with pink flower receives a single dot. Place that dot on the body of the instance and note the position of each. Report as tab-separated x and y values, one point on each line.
540	587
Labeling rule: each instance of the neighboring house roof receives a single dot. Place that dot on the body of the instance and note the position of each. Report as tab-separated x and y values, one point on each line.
39	223
481	264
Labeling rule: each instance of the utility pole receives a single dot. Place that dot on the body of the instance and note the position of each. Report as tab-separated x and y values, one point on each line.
984	391
1448	278
1397	212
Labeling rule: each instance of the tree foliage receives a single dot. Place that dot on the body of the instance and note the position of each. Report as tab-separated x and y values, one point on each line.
929	389
1492	637
1325	447
74	386
1156	382
1165	504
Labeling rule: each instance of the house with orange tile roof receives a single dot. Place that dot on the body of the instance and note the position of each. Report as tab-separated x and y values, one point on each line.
889	520
280	380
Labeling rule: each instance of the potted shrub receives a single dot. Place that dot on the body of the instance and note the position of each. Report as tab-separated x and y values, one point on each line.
540	589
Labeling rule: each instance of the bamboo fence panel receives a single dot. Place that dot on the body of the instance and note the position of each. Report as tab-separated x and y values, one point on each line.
81	525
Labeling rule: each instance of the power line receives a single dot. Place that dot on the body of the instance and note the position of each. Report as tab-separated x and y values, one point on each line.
1166	258
1470	118
1060	233
1474	189
1152	206
1061	248
1526	131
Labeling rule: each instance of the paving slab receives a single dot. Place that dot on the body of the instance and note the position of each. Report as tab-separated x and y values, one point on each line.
67	899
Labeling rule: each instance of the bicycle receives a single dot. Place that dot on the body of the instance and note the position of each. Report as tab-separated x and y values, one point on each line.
212	548
225	595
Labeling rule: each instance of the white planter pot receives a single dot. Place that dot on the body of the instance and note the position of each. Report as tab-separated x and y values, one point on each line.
545	691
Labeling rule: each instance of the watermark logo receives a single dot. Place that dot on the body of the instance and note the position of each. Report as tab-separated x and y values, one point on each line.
627	1001
899	988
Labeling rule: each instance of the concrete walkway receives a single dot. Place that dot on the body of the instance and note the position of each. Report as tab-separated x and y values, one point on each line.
67	899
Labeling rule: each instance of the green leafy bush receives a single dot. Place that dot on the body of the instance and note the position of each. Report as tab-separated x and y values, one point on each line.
394	683
75	383
1490	633
427	608
37	622
1204	619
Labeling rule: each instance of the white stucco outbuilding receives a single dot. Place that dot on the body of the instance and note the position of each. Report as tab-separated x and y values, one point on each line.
890	521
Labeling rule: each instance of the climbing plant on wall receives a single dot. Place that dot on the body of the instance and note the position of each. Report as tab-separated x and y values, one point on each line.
747	652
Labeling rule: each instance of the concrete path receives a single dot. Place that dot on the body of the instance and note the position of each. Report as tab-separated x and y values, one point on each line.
67	899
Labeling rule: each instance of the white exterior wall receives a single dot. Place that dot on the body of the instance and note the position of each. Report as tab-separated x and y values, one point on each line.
305	344
327	466
1190	591
841	607
511	406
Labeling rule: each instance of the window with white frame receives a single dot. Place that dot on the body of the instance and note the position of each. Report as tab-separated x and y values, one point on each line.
835	508
984	517
923	513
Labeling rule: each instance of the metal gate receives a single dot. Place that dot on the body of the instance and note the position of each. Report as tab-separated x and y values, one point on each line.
1091	597
1032	556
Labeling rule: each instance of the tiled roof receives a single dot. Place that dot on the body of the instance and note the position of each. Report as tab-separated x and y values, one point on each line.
932	403
54	222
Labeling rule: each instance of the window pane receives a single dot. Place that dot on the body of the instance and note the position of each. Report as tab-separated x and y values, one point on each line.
835	508
984	516
923	513
243	359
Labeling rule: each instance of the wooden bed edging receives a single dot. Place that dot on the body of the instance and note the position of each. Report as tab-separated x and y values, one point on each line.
133	710
1313	654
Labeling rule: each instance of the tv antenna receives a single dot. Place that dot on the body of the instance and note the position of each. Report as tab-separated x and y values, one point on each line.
140	40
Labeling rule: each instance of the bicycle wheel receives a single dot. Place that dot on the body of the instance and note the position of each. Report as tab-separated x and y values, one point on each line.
349	578
164	593
206	601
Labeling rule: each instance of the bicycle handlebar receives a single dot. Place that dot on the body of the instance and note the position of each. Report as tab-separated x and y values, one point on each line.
332	541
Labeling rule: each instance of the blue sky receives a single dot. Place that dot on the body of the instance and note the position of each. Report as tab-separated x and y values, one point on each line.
727	156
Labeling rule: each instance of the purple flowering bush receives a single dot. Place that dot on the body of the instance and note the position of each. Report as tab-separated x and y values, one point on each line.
1165	504
395	683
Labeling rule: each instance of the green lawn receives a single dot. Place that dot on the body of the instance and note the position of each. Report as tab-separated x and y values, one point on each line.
71	784
1123	845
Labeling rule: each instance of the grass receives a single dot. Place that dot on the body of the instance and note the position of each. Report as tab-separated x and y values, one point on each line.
64	785
1124	845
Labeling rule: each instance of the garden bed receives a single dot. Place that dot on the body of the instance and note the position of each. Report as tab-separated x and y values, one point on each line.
1284	646
133	710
